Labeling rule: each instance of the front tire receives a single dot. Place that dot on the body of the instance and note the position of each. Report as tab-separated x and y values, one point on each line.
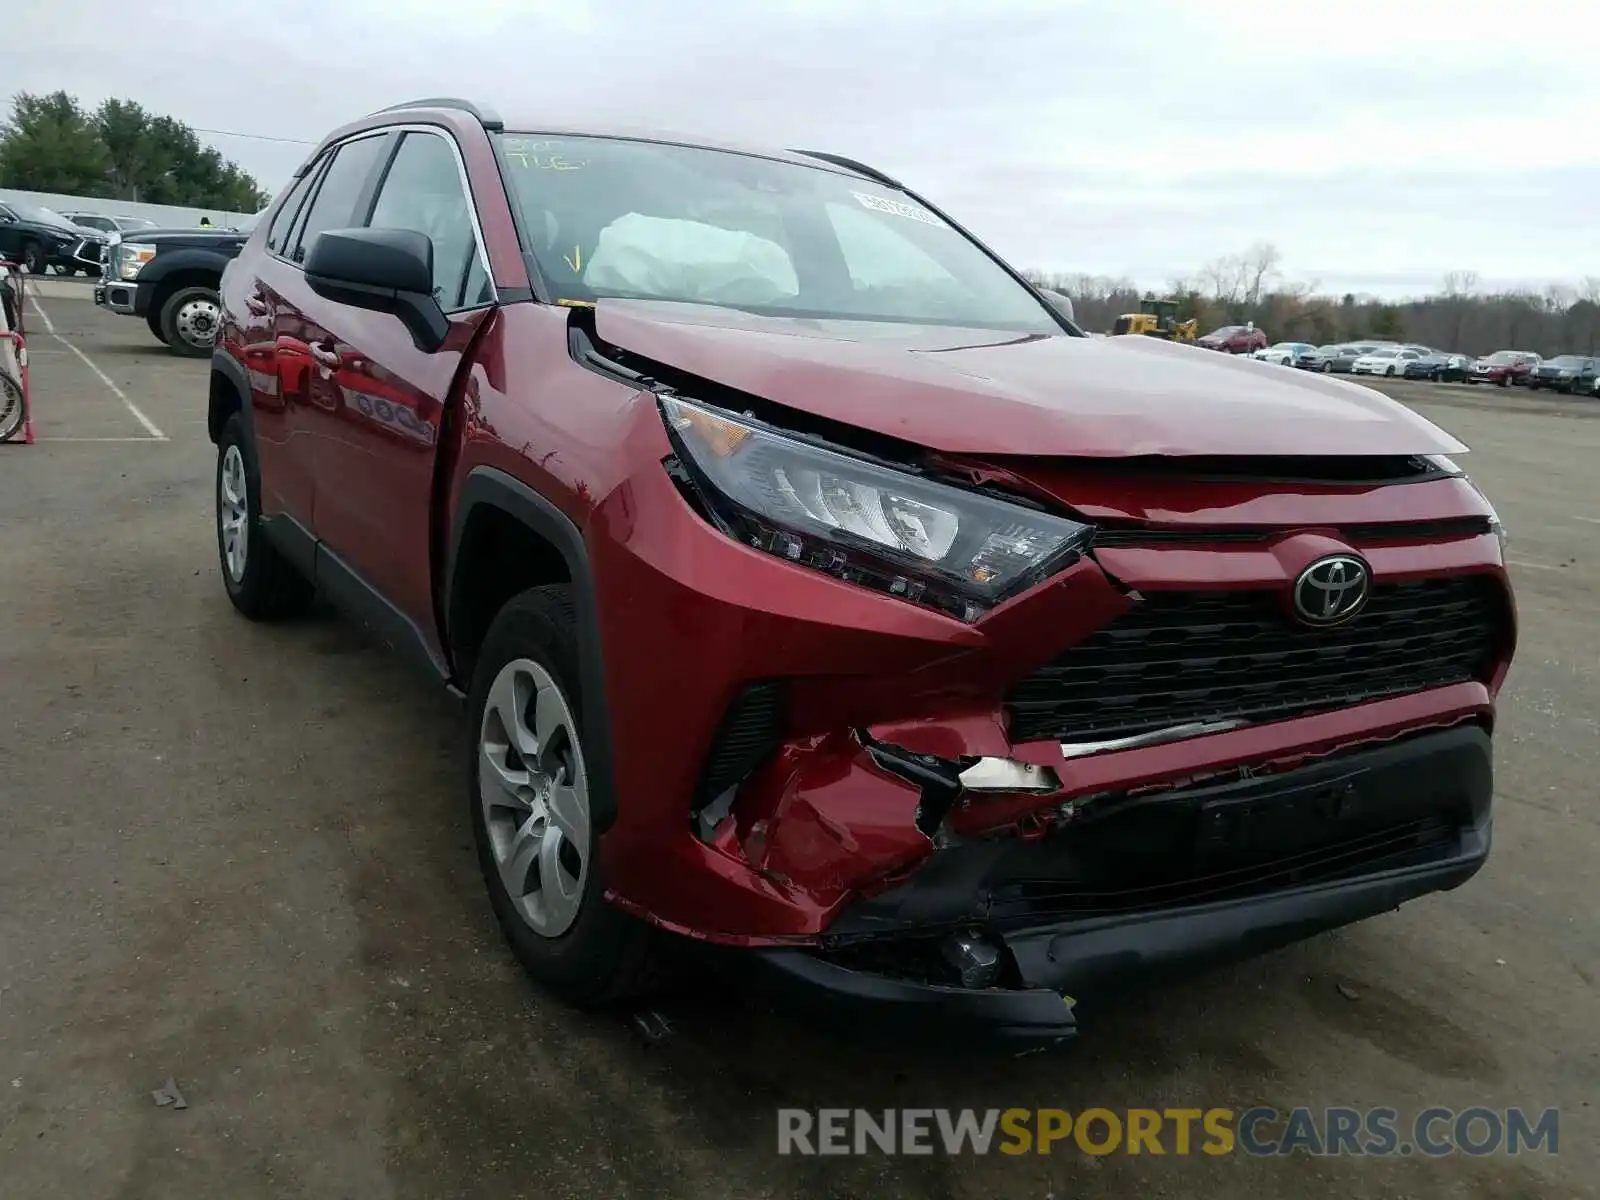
33	257
532	817
153	322
262	584
1390	373
189	321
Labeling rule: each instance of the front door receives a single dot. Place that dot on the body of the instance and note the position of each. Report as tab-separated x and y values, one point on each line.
378	401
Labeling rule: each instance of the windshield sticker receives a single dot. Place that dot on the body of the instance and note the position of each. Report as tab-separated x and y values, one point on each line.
541	155
898	208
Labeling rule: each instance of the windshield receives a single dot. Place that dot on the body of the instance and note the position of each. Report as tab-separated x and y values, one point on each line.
1383	352
134	223
644	220
1504	356
1565	360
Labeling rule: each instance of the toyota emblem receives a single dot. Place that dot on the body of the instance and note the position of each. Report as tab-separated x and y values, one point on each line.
1332	590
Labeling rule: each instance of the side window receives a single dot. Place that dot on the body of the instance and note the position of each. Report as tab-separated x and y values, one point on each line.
334	204
283	219
423	192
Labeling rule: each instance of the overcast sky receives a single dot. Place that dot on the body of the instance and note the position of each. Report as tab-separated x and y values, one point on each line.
1377	144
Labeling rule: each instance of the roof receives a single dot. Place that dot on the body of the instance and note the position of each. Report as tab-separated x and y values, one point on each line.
526	123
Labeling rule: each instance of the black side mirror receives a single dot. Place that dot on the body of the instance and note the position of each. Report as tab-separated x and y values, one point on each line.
1059	301
383	270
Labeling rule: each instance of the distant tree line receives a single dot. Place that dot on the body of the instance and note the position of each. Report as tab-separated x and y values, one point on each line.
1460	317
118	151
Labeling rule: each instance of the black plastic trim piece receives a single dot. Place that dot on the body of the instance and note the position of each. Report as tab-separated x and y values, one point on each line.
487	486
348	589
293	540
850	164
225	364
880	1008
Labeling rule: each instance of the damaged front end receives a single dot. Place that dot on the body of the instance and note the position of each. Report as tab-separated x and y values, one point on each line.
965	740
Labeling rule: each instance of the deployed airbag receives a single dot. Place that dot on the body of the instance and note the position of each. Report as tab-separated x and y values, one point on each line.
688	260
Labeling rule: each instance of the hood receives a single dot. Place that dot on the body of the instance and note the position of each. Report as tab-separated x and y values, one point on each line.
982	392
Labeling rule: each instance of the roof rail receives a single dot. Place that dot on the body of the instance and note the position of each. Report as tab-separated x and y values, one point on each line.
850	164
488	118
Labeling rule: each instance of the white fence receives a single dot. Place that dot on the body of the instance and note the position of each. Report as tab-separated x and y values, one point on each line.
165	215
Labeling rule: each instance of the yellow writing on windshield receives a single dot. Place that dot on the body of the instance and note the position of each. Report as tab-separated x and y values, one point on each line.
541	155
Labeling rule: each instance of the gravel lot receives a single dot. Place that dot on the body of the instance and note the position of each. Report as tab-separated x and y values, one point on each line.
238	857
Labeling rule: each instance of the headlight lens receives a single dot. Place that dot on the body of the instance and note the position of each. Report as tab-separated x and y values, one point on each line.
926	542
131	258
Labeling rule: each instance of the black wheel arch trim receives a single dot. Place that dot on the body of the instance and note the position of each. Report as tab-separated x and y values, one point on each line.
493	488
226	365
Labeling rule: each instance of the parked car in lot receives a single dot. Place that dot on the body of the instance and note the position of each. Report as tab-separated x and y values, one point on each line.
1504	367
1340	358
171	278
1565	373
40	239
118	225
1285	354
1438	367
944	748
1234	339
1385	360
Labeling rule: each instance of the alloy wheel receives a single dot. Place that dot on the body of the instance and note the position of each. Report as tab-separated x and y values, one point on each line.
535	796
233	513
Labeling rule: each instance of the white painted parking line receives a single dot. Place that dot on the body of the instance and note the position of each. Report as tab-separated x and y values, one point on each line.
1586	520
150	426
1528	566
150	440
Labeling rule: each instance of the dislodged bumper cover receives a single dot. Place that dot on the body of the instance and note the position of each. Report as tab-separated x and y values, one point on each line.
1269	862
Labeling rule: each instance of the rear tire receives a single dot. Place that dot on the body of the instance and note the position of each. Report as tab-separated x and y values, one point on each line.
531	811
189	321
262	584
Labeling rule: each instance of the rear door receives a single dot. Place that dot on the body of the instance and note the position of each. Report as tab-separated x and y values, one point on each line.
377	442
289	310
285	473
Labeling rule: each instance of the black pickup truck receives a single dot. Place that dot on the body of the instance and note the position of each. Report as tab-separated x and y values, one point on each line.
170	277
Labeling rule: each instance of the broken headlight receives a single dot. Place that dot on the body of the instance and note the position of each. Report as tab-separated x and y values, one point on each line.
924	541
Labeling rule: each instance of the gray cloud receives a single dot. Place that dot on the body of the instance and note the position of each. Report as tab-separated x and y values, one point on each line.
1391	142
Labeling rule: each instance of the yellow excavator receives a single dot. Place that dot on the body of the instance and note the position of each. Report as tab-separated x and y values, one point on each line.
1158	318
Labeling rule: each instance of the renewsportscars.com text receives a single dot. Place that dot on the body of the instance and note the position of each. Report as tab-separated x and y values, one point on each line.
1259	1131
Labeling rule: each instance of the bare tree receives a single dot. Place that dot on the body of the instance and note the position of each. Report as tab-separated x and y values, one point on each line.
1258	266
1460	284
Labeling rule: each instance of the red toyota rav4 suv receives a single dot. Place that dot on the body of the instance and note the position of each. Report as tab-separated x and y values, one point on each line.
819	590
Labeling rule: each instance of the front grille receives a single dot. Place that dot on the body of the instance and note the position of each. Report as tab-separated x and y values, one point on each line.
1430	839
1177	657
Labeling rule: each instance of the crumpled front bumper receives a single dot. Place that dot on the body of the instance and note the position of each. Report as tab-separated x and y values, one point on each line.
1338	841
